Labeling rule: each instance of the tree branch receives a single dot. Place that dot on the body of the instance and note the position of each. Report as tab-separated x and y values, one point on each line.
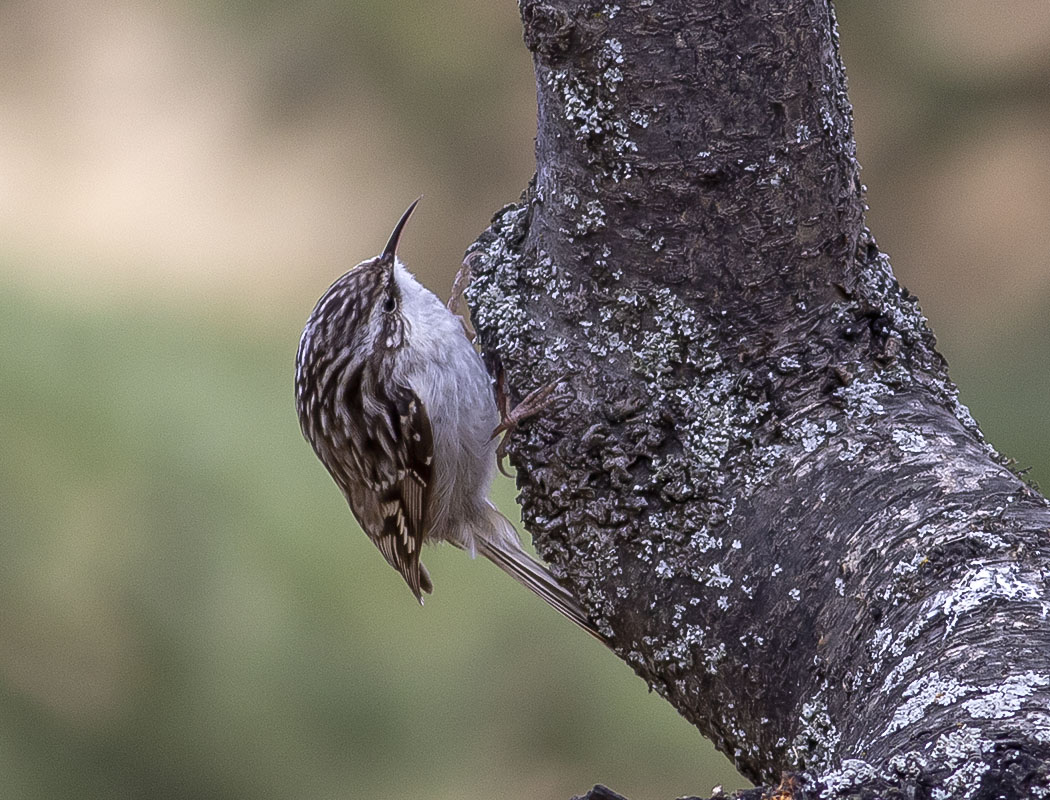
765	489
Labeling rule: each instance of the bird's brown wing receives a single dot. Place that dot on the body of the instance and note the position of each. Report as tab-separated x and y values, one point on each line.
395	451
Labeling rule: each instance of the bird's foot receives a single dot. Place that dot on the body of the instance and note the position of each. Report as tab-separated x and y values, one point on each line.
459	285
533	403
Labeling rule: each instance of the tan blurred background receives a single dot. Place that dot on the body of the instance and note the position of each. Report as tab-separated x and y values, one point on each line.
186	610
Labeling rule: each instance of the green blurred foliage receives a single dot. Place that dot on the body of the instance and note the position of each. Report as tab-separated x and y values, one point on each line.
187	609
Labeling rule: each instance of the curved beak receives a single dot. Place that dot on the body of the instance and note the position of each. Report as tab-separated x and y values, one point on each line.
391	245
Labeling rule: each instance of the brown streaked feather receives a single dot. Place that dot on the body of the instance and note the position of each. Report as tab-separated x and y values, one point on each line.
507	554
390	500
386	484
374	437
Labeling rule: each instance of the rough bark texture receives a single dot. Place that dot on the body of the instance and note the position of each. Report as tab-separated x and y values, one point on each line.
765	488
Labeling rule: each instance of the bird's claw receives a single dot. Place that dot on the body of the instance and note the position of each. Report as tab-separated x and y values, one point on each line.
533	403
459	285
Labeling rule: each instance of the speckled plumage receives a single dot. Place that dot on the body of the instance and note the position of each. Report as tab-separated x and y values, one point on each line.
400	409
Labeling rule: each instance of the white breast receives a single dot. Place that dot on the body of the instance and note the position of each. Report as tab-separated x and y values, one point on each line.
445	371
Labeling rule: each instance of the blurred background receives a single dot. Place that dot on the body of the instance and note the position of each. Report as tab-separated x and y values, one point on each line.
186	609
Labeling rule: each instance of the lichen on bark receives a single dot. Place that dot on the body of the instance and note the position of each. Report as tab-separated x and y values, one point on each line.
764	487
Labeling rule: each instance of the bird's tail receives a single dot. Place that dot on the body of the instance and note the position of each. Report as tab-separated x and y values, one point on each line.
505	551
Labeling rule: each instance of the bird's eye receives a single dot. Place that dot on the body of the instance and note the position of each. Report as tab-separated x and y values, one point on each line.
388	306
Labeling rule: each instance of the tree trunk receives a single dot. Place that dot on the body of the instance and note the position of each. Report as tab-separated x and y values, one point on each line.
764	488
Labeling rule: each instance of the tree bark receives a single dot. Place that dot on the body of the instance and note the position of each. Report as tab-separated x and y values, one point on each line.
764	489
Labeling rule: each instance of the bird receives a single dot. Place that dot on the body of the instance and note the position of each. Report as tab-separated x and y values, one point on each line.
400	409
